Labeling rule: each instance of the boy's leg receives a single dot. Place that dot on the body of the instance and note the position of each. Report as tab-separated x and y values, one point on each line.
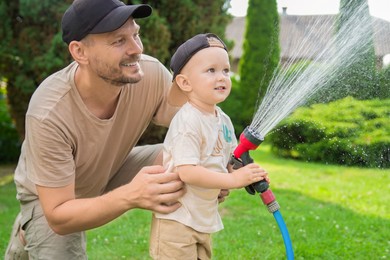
204	246
172	240
42	242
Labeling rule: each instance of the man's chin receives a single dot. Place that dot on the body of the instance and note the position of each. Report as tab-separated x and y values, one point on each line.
136	77
134	80
128	80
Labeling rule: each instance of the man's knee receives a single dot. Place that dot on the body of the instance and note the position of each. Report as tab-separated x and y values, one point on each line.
139	157
15	249
40	241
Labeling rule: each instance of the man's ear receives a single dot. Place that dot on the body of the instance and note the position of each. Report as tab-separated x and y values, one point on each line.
78	51
183	82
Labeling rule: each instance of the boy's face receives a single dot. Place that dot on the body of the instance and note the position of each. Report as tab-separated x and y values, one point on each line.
208	78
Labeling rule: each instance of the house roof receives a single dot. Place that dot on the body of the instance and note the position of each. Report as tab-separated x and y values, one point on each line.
295	29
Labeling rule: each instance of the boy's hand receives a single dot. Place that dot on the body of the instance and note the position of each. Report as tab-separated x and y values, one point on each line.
249	174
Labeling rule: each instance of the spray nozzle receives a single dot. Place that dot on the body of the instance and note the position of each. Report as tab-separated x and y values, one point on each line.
249	140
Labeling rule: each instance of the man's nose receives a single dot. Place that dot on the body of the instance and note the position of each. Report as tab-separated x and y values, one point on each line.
134	47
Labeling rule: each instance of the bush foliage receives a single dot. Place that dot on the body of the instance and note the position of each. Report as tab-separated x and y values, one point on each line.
347	132
31	46
260	55
9	138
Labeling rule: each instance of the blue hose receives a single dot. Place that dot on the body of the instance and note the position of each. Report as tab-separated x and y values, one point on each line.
286	237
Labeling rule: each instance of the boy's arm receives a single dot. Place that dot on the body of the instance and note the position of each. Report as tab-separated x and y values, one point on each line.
202	177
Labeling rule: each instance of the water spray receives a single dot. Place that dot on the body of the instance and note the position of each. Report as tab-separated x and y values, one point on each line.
250	140
287	91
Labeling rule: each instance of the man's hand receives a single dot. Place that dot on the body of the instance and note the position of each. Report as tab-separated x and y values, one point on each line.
155	190
150	189
222	195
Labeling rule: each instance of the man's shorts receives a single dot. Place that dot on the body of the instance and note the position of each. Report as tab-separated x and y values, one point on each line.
15	249
42	242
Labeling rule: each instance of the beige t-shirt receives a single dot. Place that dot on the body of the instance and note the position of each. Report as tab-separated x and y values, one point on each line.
195	138
65	143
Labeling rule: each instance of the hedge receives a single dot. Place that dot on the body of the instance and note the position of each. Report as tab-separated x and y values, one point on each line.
346	132
9	138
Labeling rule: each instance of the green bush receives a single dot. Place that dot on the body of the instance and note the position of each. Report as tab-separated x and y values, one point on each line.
9	139
384	87
347	132
260	55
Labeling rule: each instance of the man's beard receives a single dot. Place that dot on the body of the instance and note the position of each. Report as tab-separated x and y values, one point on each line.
123	80
114	76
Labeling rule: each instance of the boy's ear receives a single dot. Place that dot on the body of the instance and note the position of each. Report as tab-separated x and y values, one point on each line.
183	82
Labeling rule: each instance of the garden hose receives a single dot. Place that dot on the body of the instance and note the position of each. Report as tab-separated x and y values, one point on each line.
250	140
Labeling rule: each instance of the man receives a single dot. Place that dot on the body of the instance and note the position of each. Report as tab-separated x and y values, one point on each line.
78	167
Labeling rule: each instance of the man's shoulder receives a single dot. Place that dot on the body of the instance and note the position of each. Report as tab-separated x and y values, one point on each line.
60	80
52	90
150	64
149	59
154	69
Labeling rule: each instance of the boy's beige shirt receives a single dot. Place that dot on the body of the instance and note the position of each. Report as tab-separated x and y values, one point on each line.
195	138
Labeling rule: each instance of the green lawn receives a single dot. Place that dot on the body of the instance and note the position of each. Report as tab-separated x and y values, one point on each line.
331	212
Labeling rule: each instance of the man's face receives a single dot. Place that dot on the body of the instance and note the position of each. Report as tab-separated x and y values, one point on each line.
114	56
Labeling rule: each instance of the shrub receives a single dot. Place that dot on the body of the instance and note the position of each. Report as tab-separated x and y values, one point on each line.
347	131
384	87
260	55
9	138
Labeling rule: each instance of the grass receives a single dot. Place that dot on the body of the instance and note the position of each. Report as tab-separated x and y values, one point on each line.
331	212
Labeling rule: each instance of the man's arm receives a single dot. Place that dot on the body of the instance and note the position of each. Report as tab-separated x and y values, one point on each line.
148	190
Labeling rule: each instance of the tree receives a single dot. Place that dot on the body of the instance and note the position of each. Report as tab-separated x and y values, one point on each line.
361	78
260	55
186	18
384	90
173	22
31	47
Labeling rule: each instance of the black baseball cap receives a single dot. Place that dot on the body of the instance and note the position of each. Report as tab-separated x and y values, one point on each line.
183	54
85	17
188	49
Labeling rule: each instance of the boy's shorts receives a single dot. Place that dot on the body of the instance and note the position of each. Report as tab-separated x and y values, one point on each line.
170	239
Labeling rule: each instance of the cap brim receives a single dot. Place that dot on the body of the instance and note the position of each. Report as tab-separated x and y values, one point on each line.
176	97
119	16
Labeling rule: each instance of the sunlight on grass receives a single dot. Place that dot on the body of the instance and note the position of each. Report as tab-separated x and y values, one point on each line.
331	212
6	179
352	187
